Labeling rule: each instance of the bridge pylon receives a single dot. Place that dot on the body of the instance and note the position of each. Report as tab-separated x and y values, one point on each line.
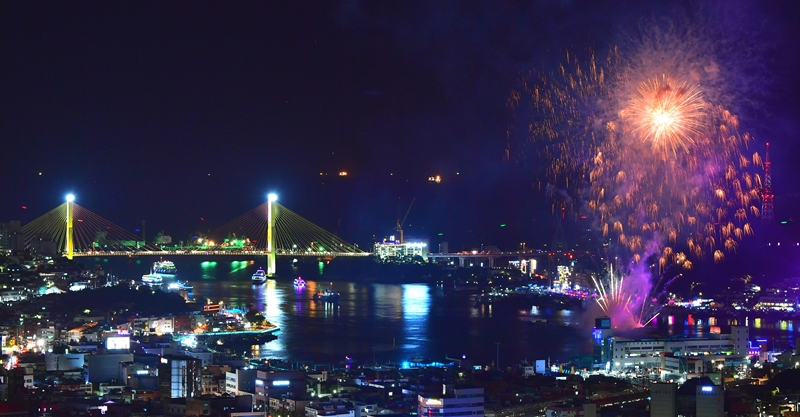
69	246
271	215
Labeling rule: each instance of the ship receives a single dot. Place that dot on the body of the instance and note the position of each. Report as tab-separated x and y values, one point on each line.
259	277
152	279
165	267
327	295
180	286
299	283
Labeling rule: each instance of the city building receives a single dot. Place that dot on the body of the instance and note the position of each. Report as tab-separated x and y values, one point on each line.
11	237
279	384
663	400
719	348
392	250
602	340
106	368
453	402
240	381
179	377
710	400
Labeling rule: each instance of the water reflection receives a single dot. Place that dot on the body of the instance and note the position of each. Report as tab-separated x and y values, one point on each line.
416	304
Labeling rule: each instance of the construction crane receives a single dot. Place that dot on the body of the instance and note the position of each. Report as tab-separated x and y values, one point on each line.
401	223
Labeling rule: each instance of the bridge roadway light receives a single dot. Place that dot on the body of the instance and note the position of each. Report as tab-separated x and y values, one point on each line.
272	197
70	197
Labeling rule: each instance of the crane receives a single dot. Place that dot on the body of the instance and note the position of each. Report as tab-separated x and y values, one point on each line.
401	223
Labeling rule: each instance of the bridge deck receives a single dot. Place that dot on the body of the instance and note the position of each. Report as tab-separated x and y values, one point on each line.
216	253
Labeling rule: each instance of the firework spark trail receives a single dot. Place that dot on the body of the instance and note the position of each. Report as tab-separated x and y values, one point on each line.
642	153
628	303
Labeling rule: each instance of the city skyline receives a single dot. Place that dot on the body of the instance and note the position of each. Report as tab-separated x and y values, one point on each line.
187	116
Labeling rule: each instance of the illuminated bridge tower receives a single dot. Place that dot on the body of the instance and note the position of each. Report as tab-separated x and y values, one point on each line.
767	198
69	246
271	214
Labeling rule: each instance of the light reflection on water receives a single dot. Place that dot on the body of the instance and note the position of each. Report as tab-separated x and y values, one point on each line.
397	322
416	304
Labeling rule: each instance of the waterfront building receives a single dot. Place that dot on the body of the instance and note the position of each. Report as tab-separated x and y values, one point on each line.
395	251
733	347
452	402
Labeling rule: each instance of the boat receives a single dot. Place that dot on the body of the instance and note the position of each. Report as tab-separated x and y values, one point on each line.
260	276
165	267
152	279
327	295
299	283
180	286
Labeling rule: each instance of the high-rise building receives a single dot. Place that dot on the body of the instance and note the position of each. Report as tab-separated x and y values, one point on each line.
179	377
11	238
601	340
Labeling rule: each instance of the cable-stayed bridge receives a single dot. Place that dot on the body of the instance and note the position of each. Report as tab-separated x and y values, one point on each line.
268	230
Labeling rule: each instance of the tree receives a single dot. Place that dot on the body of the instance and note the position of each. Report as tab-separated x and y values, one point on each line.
255	318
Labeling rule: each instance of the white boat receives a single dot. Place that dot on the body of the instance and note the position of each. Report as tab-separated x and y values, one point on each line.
152	279
179	286
260	276
165	267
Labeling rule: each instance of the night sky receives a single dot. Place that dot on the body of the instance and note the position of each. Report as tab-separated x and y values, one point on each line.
176	111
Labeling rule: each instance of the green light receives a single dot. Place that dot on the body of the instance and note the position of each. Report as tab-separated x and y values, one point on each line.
441	234
784	222
502	225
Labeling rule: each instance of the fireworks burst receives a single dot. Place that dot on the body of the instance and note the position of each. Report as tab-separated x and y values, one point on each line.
626	307
634	145
666	114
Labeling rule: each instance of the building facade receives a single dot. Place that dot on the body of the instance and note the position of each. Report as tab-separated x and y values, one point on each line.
453	402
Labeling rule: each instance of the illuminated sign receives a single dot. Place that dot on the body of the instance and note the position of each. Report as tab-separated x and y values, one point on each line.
280	383
259	382
431	402
707	389
164	360
118	343
142	372
597	335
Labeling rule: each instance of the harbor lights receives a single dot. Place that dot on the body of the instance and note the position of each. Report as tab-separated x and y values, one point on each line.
271	198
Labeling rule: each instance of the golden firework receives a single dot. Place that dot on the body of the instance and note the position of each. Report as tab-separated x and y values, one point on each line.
667	114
